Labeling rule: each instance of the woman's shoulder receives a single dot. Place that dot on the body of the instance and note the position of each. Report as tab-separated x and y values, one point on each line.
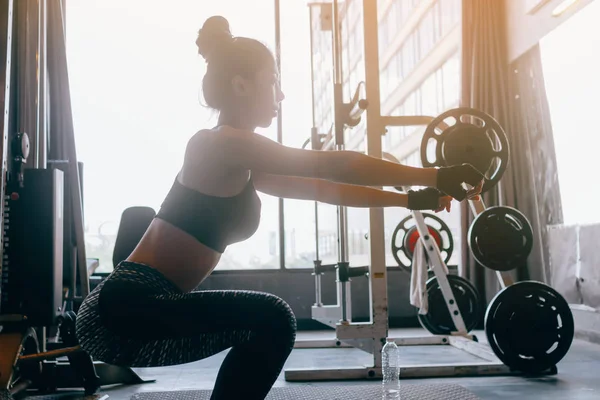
207	165
201	140
206	146
211	135
203	134
218	139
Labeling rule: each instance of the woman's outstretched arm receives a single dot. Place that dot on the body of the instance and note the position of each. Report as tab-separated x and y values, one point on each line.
255	152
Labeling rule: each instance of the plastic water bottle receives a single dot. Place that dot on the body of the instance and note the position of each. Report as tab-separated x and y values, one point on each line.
390	363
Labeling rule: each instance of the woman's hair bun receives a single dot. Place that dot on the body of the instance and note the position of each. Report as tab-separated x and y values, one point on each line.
214	33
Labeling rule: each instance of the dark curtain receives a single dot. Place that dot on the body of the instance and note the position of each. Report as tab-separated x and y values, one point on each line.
532	183
514	94
61	137
61	131
483	87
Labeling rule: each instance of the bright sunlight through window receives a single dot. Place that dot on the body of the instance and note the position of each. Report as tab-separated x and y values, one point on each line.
136	90
571	63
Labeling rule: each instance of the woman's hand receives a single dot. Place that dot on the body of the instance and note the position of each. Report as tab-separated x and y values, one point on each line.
428	199
445	204
472	194
450	180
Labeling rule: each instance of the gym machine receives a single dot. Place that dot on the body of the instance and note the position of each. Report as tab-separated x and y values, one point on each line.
42	216
528	325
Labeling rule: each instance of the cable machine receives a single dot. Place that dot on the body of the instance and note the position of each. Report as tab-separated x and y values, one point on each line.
461	137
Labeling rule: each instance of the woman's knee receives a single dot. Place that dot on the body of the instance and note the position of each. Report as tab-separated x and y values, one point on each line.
282	320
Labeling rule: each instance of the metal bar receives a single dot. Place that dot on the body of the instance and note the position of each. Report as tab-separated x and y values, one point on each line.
477	206
456	369
328	144
338	100
6	36
338	122
358	271
470	346
358	110
378	296
312	66
358	105
42	72
318	290
281	201
504	278
440	270
311	374
343	234
329	315
316	230
73	271
411	371
422	340
336	43
348	301
343	288
59	80
43	338
314	134
50	354
339	118
27	48
320	344
409	120
401	341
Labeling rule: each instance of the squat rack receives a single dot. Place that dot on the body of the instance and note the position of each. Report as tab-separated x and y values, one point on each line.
371	336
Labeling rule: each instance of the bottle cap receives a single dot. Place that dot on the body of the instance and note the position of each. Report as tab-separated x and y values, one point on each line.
390	340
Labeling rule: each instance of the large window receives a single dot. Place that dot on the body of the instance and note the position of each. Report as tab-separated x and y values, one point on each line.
438	92
358	218
571	66
299	216
322	93
450	11
136	91
450	75
135	85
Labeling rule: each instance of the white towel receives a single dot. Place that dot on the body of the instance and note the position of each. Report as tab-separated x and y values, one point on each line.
418	279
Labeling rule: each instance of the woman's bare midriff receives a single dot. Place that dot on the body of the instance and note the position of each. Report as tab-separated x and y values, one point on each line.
179	256
176	254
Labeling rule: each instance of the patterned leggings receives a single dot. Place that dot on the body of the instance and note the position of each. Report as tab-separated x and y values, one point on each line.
137	318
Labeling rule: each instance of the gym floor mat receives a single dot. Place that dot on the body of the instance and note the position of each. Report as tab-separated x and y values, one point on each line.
351	392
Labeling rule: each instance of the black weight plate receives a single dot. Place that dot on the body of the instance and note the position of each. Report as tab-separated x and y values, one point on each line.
475	138
405	235
501	238
529	326
438	320
467	143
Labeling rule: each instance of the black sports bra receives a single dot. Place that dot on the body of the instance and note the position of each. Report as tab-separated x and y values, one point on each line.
214	221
